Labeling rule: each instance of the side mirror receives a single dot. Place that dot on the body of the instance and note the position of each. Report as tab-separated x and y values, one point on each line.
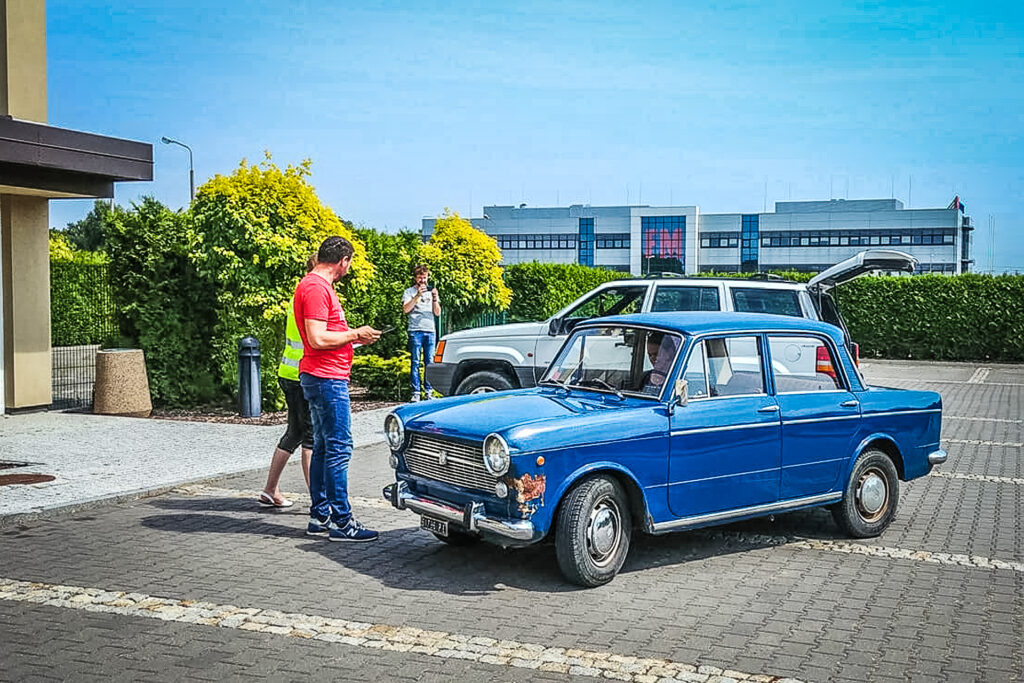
681	393
555	327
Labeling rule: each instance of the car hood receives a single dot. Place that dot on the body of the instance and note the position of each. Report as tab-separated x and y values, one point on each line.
510	330
524	411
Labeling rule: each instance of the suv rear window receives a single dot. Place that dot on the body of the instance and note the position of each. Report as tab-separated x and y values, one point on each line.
669	298
774	301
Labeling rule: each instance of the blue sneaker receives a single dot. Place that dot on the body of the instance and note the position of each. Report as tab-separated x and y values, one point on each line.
352	531
319	527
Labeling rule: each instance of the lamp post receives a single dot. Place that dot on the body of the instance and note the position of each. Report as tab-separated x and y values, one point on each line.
191	171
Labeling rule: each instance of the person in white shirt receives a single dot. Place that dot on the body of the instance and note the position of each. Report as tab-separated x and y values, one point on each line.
422	305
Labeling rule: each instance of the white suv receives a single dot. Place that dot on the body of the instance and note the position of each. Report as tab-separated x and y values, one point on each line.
516	355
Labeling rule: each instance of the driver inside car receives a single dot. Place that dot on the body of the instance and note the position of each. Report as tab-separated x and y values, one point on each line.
661	351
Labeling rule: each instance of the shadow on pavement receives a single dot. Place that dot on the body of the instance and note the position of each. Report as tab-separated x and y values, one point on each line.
407	558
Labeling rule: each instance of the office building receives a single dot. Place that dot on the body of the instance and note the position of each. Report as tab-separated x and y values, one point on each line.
805	236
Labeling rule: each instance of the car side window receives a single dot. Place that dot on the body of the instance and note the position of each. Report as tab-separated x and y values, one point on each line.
612	301
803	364
695	375
673	298
734	366
775	301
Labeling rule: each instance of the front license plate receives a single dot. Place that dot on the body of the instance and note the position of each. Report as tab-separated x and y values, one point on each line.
438	526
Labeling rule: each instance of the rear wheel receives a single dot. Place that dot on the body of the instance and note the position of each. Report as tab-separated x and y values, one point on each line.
594	528
872	494
483	382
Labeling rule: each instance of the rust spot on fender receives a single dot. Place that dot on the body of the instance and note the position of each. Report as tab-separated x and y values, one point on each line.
527	488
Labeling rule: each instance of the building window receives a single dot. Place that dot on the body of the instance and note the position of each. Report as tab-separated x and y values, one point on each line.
749	240
585	254
664	241
613	241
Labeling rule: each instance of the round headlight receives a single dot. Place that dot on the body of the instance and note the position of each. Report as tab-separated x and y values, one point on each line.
496	458
394	431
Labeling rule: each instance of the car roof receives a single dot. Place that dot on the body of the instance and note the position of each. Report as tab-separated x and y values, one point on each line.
703	322
710	281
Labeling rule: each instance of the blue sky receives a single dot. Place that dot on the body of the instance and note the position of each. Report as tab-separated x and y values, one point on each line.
407	108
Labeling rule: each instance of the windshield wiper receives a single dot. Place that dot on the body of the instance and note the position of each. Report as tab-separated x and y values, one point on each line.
556	382
601	382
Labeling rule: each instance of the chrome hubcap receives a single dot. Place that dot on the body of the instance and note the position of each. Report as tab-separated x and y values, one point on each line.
604	531
872	494
482	390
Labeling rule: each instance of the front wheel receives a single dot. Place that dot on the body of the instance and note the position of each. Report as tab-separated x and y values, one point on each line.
593	531
872	494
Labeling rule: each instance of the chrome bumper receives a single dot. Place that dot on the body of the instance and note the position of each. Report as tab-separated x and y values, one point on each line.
471	517
937	457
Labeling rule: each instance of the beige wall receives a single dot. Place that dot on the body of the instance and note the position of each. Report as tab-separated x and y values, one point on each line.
24	220
23	59
24	243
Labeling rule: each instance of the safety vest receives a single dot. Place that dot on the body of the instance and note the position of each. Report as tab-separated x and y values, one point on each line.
289	367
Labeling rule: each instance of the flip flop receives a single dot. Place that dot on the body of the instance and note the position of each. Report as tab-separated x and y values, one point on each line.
266	500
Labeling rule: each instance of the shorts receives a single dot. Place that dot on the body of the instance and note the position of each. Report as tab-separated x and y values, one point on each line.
300	425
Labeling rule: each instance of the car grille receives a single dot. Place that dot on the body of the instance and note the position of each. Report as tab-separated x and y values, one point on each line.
463	465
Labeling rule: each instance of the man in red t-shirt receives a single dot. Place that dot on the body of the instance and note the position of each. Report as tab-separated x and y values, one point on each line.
324	372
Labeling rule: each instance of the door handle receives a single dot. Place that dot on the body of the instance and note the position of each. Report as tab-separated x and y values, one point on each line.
852	403
768	409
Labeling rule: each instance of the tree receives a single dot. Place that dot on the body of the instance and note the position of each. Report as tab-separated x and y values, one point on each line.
393	257
464	265
251	234
89	234
162	306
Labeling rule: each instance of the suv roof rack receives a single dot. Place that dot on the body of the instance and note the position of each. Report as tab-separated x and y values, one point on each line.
653	276
769	276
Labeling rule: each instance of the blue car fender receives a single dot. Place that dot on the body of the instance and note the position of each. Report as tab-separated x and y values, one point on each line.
633	488
889	441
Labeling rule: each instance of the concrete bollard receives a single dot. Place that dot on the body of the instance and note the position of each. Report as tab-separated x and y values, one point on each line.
122	387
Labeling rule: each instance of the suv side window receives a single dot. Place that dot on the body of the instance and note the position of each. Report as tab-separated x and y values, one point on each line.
775	301
675	298
611	301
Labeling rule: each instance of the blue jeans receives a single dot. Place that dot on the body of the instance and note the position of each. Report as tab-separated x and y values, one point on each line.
332	446
421	342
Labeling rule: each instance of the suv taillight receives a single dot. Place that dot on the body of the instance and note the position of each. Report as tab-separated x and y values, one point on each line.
823	363
439	352
856	353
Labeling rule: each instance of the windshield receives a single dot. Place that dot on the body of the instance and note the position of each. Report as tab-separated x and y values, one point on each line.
619	360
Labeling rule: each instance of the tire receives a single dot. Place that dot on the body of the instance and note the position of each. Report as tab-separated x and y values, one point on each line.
871	497
458	539
598	504
482	382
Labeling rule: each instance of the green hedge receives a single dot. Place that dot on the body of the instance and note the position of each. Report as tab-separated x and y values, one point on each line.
541	289
384	378
81	306
937	317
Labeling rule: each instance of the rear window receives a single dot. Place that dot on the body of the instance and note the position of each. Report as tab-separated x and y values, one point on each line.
774	301
668	298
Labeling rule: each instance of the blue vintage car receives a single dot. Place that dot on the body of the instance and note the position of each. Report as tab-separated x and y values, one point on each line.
663	422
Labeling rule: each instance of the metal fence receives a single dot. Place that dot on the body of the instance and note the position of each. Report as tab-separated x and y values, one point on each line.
81	319
447	325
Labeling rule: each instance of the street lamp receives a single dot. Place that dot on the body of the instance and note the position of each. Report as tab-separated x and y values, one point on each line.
191	171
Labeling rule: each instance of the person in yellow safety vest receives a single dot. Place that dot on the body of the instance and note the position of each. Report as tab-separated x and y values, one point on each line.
300	425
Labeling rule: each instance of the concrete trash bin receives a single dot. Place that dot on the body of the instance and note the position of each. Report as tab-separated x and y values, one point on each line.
122	387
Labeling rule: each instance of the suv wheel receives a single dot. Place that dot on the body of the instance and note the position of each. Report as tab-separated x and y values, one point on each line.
483	382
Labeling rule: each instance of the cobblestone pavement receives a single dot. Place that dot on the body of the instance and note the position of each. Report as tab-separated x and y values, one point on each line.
199	584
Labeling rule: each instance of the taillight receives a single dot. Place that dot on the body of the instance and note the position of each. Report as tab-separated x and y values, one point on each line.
823	363
439	352
856	353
